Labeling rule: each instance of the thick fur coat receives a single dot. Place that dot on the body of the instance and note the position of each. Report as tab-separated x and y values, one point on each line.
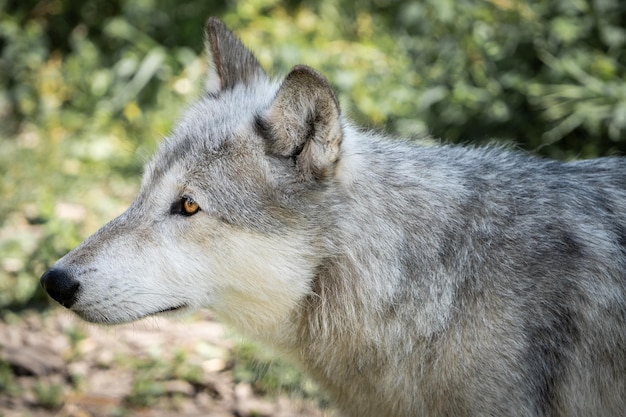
407	280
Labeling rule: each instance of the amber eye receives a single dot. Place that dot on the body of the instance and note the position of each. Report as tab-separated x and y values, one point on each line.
189	206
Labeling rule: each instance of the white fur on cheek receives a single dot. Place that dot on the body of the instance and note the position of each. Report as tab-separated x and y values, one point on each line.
263	280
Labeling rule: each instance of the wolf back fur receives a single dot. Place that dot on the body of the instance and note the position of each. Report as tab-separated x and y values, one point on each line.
407	280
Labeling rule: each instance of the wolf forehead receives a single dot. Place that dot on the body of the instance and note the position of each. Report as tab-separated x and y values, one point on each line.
211	122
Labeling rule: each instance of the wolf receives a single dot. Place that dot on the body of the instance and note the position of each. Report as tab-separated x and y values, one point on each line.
408	280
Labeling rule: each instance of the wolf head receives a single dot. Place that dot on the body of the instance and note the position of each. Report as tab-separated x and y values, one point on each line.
229	215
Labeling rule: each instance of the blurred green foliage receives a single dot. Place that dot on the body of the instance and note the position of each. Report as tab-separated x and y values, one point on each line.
269	375
152	373
88	87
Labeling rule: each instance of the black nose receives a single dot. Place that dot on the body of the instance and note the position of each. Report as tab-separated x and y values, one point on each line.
60	285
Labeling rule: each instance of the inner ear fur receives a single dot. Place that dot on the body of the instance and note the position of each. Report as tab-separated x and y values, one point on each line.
230	62
304	122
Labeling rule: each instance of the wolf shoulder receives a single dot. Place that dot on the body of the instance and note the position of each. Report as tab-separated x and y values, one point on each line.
486	206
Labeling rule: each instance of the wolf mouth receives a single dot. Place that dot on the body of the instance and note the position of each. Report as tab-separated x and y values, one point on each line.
101	317
170	309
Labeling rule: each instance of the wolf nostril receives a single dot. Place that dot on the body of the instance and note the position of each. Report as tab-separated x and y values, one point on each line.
60	286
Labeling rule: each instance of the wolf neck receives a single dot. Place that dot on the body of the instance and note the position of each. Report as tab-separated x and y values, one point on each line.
381	246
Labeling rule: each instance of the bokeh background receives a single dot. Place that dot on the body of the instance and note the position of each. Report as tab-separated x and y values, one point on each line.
88	88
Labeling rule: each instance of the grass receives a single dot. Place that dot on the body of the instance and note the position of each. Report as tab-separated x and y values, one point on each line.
8	383
49	395
270	375
75	335
151	374
266	373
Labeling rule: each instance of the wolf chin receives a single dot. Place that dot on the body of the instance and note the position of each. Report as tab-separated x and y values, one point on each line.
407	280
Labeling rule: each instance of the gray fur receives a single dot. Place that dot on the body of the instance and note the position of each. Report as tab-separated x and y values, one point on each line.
408	280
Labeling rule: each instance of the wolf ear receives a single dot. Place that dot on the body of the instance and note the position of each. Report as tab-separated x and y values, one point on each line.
230	62
303	122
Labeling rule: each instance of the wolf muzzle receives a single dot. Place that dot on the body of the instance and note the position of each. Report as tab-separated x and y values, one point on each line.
60	286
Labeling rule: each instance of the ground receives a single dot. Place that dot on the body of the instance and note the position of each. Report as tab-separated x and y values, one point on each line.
53	364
